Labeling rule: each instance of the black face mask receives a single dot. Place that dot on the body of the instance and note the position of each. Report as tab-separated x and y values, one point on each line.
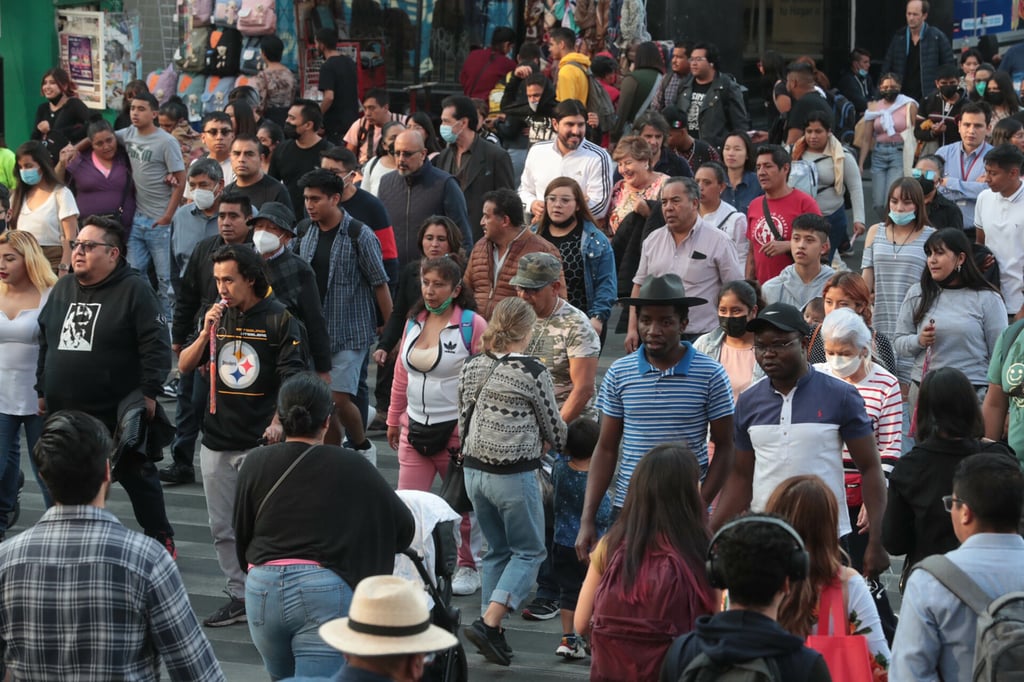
948	90
290	133
927	186
890	95
54	100
735	327
995	97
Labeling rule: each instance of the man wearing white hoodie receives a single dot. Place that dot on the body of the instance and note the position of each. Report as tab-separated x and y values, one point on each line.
805	279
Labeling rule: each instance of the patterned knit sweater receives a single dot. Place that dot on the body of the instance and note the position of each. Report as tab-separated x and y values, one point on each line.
516	413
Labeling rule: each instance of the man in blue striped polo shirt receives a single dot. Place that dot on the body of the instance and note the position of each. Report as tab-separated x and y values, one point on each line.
795	421
663	392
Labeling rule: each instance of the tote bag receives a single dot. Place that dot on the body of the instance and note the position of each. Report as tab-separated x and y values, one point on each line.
846	655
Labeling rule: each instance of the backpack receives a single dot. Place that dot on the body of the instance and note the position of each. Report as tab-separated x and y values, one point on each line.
191	90
999	644
257	17
465	326
215	96
224	52
598	100
252	57
803	175
201	11
225	12
844	118
163	83
703	669
191	54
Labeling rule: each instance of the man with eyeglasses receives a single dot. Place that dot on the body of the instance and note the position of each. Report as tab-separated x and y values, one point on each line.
103	336
712	101
250	180
417	191
796	421
939	617
217	137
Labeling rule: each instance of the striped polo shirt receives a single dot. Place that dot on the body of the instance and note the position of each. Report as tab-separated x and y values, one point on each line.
800	433
663	406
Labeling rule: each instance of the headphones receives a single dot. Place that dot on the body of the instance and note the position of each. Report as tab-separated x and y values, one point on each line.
797	565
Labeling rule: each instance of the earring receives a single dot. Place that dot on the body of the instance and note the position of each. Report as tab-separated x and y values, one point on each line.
958	266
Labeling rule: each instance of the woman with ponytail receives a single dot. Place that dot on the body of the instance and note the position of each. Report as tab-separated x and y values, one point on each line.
294	531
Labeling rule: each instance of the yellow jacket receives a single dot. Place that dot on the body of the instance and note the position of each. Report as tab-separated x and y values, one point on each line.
571	81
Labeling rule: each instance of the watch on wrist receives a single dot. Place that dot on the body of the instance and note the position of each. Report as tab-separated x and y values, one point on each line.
64	267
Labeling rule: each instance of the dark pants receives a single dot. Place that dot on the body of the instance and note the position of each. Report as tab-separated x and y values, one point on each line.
547	581
382	390
837	235
193	398
362	397
855	542
569	574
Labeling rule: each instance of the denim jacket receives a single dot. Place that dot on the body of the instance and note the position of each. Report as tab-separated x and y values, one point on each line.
598	271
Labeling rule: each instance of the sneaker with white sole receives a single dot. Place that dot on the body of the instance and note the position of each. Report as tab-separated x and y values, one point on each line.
571	647
466	581
369	453
541	609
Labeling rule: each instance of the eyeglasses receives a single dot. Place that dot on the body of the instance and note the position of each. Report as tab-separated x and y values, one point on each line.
559	201
218	132
403	154
88	246
926	174
773	348
949	500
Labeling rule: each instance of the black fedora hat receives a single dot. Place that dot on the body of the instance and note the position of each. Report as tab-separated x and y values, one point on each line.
663	290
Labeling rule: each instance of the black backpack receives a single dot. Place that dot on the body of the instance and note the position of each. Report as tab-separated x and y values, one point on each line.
703	669
224	52
844	118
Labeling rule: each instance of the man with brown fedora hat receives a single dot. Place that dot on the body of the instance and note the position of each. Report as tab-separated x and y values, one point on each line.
664	391
387	634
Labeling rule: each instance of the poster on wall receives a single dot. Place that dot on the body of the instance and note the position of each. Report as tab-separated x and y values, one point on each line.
122	56
81	53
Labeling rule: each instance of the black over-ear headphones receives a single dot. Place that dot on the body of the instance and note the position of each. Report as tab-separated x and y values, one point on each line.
797	566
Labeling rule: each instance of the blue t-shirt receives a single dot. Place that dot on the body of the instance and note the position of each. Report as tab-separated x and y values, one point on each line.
570	487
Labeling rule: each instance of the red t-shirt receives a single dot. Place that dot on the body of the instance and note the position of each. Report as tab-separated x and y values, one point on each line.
482	70
783	211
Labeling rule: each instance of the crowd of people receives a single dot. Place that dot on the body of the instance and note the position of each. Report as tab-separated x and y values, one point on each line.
726	495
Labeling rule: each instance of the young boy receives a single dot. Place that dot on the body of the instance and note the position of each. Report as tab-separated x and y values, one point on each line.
569	480
758	558
804	279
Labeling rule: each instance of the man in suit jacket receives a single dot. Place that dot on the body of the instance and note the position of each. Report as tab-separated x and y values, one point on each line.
479	166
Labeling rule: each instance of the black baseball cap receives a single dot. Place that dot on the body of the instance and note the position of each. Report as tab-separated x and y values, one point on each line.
781	316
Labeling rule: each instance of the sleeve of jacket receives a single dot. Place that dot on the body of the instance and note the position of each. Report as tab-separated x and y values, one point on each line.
151	332
455	208
549	419
503	175
737	117
312	313
898	522
897	43
624	108
605	283
187	302
43	346
599	186
292	356
944	47
395	326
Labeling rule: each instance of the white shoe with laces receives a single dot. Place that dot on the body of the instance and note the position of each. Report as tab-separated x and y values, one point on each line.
466	581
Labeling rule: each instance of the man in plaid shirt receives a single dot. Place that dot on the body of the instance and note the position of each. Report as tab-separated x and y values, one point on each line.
81	596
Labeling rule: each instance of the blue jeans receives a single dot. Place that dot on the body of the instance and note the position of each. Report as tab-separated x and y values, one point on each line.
150	243
510	511
286	605
886	168
193	392
10	460
837	236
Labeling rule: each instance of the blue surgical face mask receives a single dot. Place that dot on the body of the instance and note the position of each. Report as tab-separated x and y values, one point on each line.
899	218
447	134
862	73
30	176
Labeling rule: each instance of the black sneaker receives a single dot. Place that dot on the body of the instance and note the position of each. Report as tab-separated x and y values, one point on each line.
489	641
232	612
178	473
171	387
541	609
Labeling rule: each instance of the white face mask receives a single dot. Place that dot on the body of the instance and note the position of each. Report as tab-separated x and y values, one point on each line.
203	199
533	105
266	242
843	365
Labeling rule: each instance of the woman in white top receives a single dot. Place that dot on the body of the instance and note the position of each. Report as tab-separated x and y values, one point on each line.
848	346
25	282
43	207
385	162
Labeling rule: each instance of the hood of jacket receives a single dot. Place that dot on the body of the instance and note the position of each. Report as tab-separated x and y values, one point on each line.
793	290
742	636
578	57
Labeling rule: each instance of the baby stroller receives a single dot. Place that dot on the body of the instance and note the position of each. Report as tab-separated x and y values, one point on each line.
450	665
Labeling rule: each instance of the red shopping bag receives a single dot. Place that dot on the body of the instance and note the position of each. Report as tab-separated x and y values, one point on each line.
846	655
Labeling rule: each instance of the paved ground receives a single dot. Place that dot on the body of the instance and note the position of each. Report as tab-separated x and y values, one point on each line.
534	643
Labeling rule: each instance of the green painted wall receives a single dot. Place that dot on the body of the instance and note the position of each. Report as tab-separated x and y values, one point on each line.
28	44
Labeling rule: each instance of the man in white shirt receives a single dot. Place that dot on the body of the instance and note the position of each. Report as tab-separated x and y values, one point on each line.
569	155
998	217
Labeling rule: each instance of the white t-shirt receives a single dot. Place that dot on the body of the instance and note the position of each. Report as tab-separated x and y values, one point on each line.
43	222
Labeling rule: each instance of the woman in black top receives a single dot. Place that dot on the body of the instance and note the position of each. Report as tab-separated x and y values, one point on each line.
949	428
311	521
62	118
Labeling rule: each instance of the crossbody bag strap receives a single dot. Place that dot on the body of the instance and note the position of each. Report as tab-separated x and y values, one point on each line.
476	398
280	480
768	219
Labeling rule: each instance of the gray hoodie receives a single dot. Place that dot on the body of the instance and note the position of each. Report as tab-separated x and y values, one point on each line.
787	287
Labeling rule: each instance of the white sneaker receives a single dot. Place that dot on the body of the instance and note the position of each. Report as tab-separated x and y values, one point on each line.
370	453
466	581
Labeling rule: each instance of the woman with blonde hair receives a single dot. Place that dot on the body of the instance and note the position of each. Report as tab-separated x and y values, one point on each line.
508	417
809	505
26	279
639	182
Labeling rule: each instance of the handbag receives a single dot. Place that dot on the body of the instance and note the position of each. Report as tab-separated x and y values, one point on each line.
453	488
846	656
280	480
430	439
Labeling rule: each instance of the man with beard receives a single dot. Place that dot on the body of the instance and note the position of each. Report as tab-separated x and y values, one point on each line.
797	422
300	151
570	155
664	391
